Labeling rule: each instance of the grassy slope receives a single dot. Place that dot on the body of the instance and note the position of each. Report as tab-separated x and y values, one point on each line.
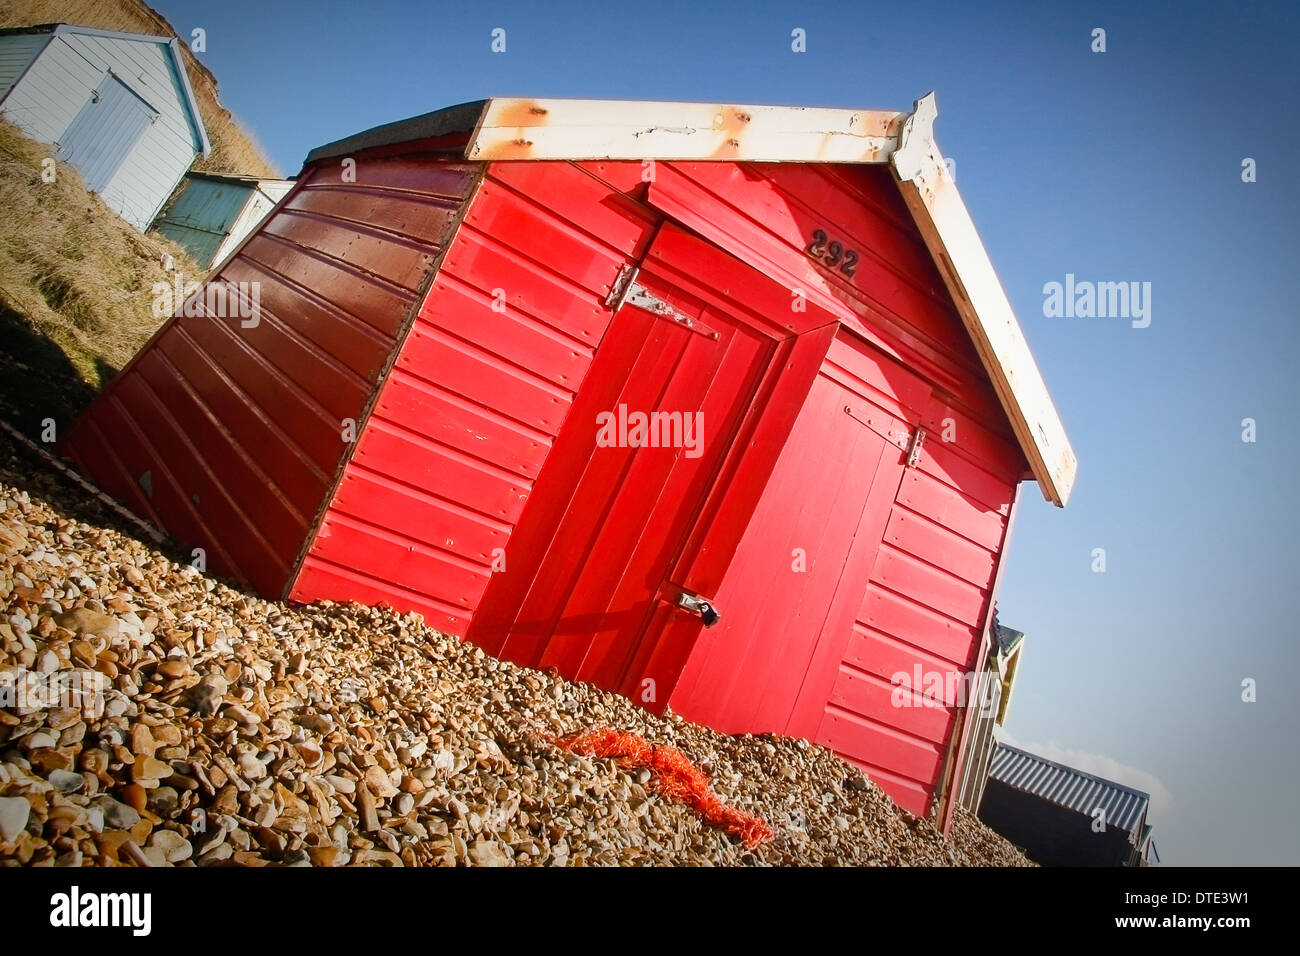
233	150
75	287
75	280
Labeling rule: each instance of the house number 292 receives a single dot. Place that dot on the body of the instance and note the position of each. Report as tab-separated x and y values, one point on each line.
832	253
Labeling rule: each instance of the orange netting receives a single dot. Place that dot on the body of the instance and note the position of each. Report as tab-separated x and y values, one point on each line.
673	775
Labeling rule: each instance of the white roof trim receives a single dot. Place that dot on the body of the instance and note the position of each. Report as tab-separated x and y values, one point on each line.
562	129
639	130
946	226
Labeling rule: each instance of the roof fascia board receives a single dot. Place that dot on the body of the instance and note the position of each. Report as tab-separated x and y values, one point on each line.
178	63
109	34
567	129
946	226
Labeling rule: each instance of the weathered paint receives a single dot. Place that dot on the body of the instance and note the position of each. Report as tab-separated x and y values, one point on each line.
60	83
511	129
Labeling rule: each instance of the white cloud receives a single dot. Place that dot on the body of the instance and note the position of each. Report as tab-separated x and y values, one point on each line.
1162	799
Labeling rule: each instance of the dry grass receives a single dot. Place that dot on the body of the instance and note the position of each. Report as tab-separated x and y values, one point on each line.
233	149
71	273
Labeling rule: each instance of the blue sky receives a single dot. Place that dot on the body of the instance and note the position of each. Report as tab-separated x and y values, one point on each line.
1115	166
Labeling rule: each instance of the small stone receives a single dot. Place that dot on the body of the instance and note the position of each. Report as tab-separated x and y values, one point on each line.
489	853
117	815
317	723
227	800
40	740
173	669
242	715
164	801
174	846
14	812
168	735
61	718
378	781
136	797
310	752
208	693
149	771
156	855
218	854
366	809
82	621
66	781
251	767
325	855
342	784
142	741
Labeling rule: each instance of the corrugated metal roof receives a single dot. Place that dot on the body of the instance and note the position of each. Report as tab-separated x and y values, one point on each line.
1068	787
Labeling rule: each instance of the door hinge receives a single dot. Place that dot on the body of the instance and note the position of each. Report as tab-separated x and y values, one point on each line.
914	449
622	283
627	291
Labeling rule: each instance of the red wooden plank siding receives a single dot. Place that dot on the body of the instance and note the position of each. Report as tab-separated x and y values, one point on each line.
766	213
240	428
924	605
925	589
485	380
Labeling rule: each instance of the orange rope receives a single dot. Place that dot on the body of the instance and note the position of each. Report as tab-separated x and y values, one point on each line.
673	775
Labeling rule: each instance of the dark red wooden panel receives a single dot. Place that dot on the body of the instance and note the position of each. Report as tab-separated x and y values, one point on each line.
245	423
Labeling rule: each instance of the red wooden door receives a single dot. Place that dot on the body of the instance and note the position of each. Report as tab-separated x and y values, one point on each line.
680	375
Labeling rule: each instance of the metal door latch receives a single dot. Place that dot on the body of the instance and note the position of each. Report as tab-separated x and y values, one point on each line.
699	606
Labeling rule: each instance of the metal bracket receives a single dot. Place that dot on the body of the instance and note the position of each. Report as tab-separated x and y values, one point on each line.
882	425
627	291
622	283
641	297
914	450
909	441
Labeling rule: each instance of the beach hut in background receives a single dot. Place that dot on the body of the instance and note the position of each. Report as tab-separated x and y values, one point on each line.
211	213
1061	816
118	107
990	690
722	407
